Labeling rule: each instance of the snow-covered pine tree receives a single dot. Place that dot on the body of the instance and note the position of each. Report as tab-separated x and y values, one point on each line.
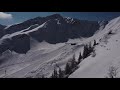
79	58
55	74
67	68
61	73
91	48
73	62
85	51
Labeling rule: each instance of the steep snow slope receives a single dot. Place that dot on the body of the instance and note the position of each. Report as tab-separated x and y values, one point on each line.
107	53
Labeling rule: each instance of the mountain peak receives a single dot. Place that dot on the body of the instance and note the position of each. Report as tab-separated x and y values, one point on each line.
54	16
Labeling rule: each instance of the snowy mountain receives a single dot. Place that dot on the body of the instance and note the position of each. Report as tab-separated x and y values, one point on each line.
58	29
33	48
52	29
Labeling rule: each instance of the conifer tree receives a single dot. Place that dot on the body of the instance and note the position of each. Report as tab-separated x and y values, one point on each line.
55	74
90	49
94	43
73	62
67	68
61	75
79	58
85	51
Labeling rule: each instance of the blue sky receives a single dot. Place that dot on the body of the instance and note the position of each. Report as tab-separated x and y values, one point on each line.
7	18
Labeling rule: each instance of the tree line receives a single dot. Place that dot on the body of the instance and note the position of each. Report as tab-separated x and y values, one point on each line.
72	64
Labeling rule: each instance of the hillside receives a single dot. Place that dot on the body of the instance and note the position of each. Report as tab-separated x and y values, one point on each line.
107	53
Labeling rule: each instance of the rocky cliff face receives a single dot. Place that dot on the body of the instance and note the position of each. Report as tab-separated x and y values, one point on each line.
58	30
19	43
57	23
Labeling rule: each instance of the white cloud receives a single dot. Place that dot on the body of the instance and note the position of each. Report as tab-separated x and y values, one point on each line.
5	15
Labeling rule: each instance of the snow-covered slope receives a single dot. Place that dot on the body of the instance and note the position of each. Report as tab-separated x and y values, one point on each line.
38	61
107	53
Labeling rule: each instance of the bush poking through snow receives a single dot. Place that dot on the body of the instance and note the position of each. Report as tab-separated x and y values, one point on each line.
95	43
112	72
110	32
94	53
